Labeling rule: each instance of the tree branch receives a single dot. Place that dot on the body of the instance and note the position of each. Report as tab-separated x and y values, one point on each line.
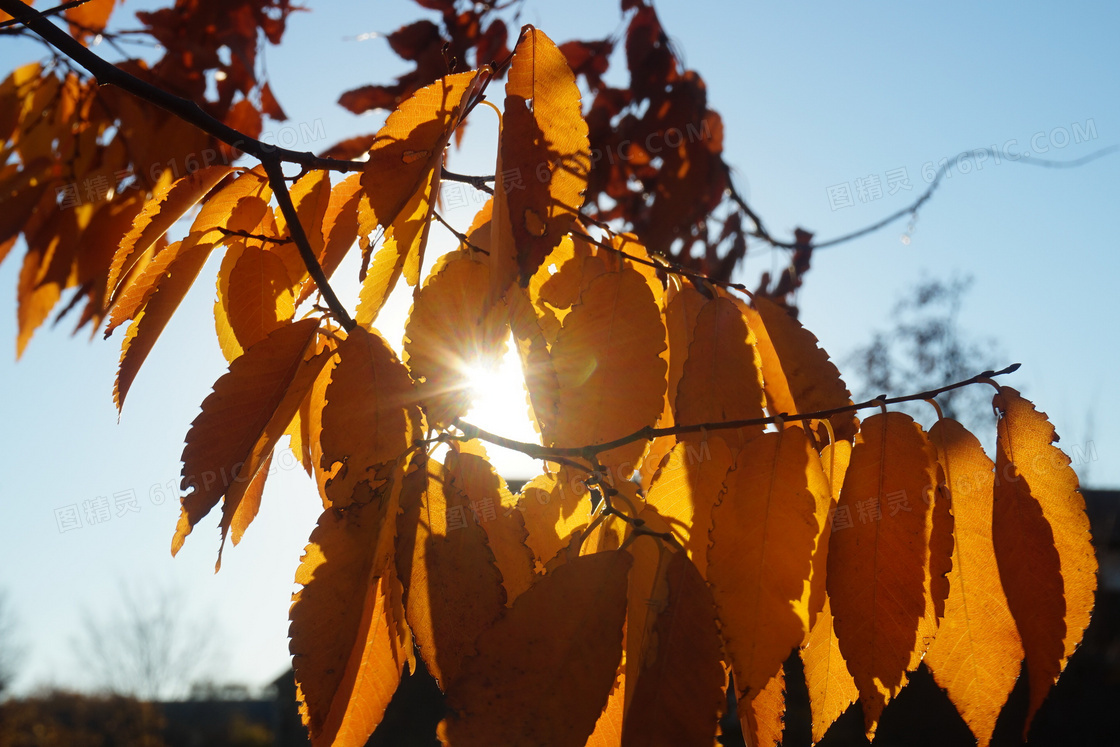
108	74
553	453
760	231
274	167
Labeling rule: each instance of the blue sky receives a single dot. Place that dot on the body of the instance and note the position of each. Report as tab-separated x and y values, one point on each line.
813	96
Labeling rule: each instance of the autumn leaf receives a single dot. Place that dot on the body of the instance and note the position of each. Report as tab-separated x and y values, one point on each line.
1042	546
170	202
242	419
544	671
687	486
608	365
369	421
678	693
345	639
977	652
878	557
764	528
830	684
552	512
401	179
721	378
545	155
495	509
763	716
255	295
452	587
172	275
797	374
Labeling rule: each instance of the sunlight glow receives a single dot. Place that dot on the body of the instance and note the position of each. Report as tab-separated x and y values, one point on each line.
499	405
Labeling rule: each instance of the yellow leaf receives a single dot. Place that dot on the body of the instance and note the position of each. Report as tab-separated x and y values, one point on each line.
544	671
797	374
168	279
553	512
345	637
242	419
401	177
878	572
340	229
452	588
495	508
255	295
721	379
764	528
831	687
689	483
608	363
450	330
545	154
763	716
678	693
977	652
170	202
369	421
1042	544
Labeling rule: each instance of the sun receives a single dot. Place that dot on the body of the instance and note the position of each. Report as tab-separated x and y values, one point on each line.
499	405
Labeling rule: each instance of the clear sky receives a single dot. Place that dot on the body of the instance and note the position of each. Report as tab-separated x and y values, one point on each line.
814	96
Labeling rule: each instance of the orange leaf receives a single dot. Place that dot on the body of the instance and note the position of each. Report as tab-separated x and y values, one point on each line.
608	364
763	532
797	374
763	716
544	671
453	590
369	421
345	637
255	292
169	203
545	155
721	379
687	486
831	687
678	693
552	512
167	281
401	179
494	507
242	419
1042	545
977	652
878	558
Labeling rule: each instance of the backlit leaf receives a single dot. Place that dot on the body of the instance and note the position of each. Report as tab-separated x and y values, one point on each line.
798	375
242	419
764	528
679	690
721	379
545	155
544	671
453	590
608	364
1042	545
977	652
369	421
878	558
451	330
345	639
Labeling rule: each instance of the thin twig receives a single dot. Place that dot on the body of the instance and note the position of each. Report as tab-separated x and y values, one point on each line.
553	453
46	12
275	170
